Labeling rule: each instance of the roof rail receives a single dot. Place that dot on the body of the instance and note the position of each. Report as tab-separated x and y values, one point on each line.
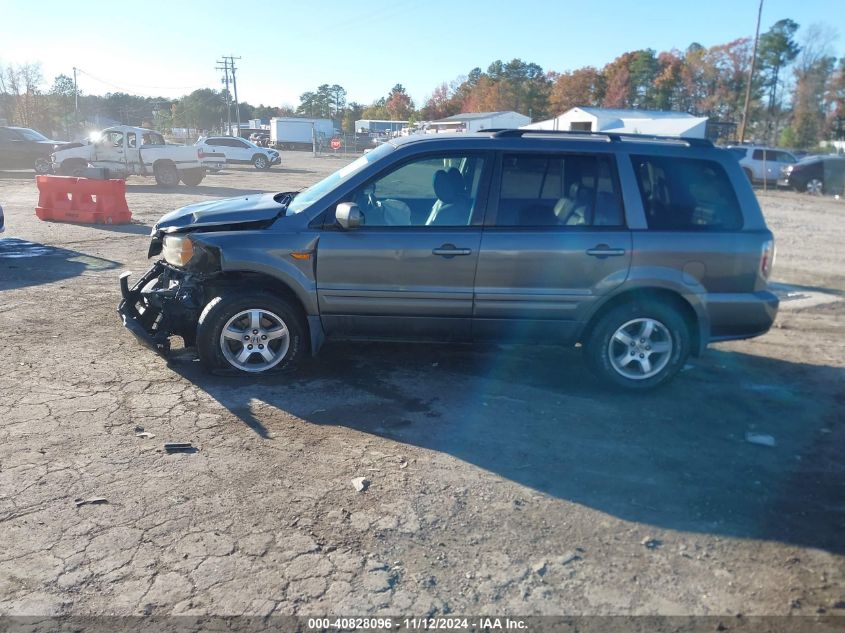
609	136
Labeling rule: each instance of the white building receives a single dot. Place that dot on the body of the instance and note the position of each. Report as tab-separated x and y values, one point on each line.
475	121
658	122
379	126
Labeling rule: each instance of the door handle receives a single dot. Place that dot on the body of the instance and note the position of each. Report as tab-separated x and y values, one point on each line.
603	250
450	250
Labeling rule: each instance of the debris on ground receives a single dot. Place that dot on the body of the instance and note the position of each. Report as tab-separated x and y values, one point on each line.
179	447
145	435
360	484
651	543
91	501
568	557
539	568
760	439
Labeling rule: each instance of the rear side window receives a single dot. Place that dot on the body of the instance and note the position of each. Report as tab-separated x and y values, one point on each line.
685	194
558	191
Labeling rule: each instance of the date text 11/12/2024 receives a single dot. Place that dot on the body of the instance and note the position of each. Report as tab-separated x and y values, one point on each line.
417	624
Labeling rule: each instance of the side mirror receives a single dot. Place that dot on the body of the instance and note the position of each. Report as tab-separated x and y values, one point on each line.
348	215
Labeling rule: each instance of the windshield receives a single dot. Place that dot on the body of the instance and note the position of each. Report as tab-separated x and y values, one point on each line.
31	135
315	192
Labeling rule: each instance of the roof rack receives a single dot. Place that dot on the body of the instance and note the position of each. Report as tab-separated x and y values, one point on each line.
606	136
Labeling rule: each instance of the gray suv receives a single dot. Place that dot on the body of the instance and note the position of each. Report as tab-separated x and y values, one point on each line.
642	250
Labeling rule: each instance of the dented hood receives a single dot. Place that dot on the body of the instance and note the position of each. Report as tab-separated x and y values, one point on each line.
251	208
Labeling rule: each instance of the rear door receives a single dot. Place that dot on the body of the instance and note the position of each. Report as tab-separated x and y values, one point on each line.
554	242
7	149
408	272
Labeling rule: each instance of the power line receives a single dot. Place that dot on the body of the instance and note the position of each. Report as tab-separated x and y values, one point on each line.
131	87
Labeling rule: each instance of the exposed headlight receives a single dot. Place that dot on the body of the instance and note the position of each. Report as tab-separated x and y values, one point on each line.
177	249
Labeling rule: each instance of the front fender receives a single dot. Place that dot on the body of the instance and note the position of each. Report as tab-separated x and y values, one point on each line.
271	253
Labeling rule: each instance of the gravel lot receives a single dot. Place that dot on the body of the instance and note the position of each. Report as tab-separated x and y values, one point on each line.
503	481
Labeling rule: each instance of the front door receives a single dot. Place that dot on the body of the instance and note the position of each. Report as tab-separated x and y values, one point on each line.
407	273
555	243
110	152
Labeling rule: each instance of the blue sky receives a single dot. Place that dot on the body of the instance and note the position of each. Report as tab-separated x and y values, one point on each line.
169	48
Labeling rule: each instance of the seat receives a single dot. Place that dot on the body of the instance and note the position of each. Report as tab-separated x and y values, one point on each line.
576	208
452	207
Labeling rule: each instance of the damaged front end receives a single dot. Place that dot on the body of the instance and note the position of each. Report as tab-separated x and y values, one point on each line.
166	301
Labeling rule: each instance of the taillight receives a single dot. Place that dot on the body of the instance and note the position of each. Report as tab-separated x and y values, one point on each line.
767	258
200	154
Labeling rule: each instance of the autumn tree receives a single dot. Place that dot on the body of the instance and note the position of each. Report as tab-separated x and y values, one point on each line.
777	49
813	70
398	104
581	87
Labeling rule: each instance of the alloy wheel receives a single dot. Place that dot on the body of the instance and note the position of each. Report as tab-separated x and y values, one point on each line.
640	348
254	340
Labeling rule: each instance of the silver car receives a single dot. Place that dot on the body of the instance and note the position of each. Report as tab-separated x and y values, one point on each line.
641	249
762	164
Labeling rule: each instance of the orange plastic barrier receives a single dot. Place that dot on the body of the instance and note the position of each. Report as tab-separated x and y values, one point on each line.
69	199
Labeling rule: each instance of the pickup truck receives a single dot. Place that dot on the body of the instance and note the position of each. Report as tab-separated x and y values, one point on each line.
133	151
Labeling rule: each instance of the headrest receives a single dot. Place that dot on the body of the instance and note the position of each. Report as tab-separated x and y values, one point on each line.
448	185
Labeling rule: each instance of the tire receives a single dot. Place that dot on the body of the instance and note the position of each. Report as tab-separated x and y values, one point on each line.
166	174
43	166
74	167
192	177
619	342
815	187
234	313
261	162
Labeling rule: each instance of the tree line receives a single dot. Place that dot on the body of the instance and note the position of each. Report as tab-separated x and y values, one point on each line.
797	92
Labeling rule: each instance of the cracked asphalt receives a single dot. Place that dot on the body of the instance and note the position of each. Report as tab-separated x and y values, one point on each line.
503	480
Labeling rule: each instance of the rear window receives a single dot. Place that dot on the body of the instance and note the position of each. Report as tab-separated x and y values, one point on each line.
684	194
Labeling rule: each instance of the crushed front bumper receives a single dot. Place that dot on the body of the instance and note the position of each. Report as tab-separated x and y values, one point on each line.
163	303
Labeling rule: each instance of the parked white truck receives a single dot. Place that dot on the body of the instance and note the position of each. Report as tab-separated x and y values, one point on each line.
133	151
297	133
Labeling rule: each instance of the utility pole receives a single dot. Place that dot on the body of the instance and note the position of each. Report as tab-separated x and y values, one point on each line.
75	98
744	125
235	88
225	69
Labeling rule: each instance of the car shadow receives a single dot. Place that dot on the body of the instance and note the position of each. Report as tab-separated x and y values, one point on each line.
24	263
676	458
133	228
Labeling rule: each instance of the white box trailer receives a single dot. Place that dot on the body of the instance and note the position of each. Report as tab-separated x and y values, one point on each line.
297	133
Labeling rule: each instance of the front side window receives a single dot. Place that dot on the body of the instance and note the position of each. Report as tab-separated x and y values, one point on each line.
113	139
564	190
432	191
131	140
686	194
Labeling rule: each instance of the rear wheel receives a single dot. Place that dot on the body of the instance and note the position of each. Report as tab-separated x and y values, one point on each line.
43	166
166	174
638	346
815	187
261	162
252	333
192	177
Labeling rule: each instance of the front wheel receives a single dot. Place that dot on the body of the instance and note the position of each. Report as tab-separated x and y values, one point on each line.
638	346
261	162
252	333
